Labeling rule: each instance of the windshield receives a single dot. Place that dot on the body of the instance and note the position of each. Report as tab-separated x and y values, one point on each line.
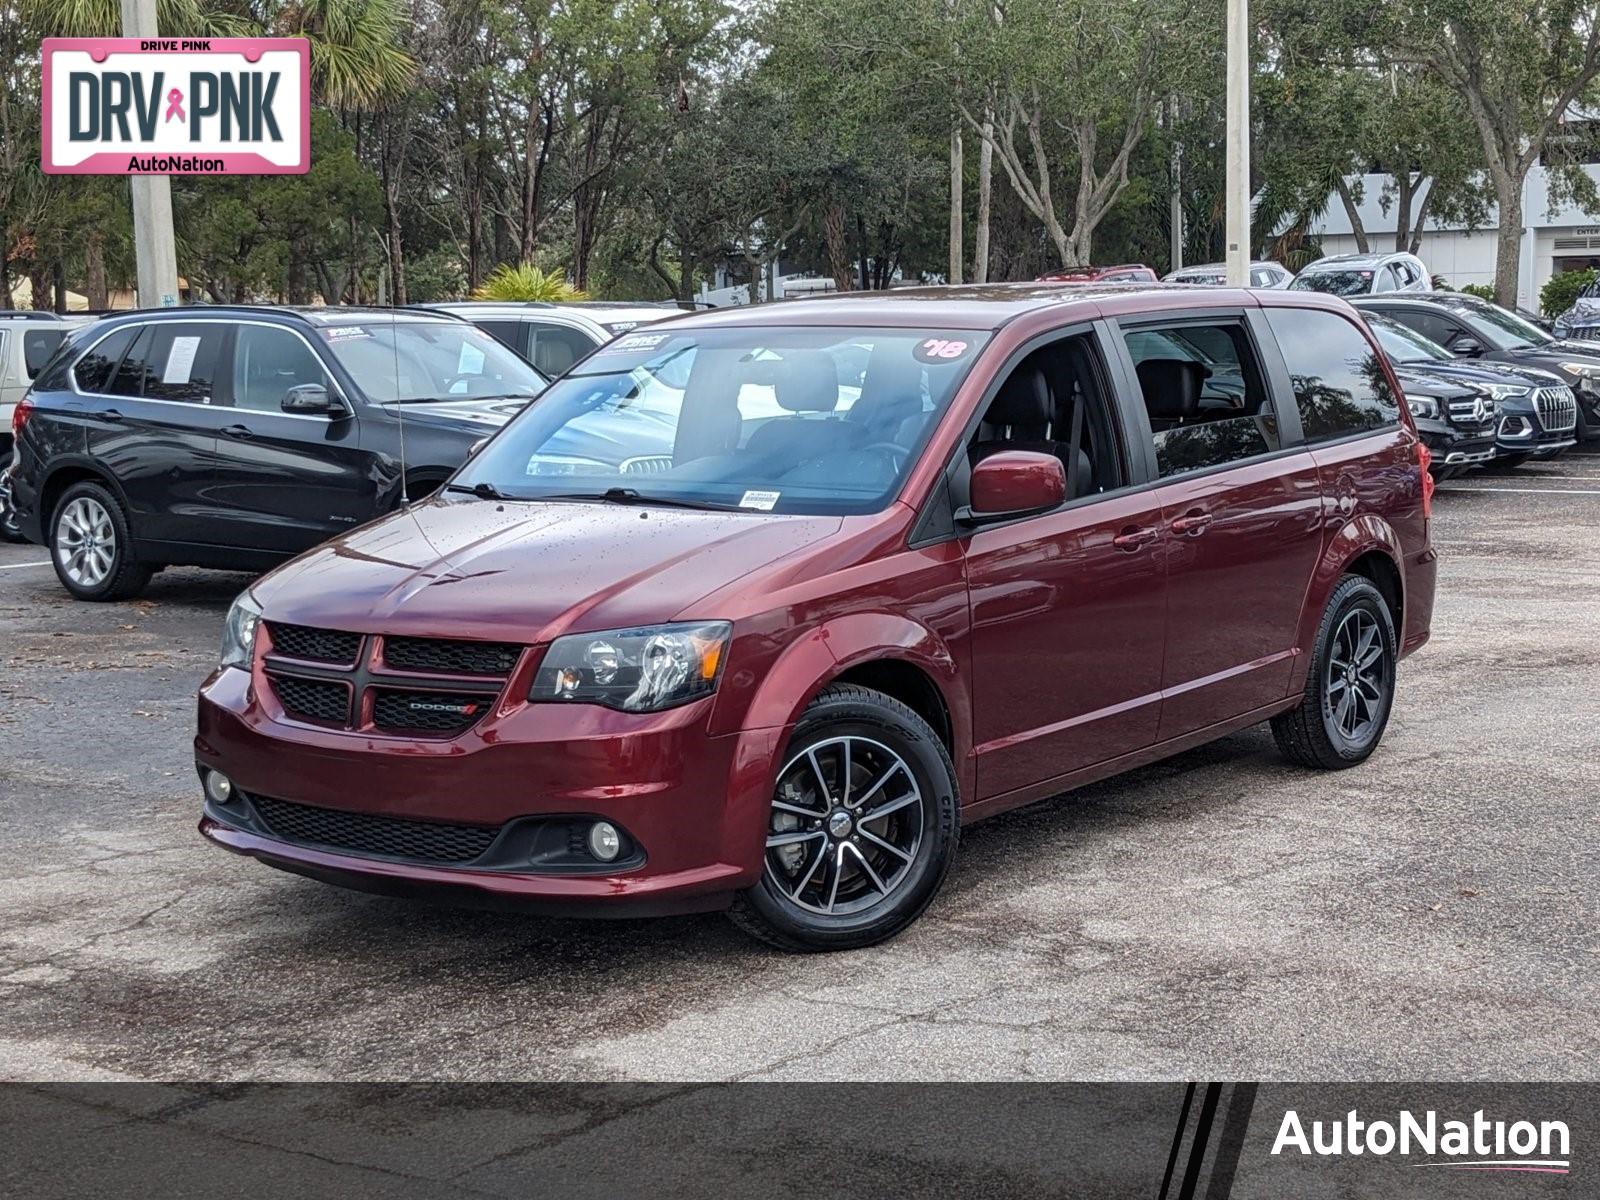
1337	283
412	361
772	419
1501	329
1403	344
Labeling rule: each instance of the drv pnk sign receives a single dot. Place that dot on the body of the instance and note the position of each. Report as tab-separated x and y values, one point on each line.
177	106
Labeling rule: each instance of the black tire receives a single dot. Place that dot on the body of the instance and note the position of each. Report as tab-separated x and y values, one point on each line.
123	577
879	729
10	524
1316	733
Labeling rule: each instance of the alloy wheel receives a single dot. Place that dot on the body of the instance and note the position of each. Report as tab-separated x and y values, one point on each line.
86	542
846	825
1358	677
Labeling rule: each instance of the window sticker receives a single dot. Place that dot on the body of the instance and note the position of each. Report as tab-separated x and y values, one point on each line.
761	501
936	350
180	361
634	341
470	360
345	333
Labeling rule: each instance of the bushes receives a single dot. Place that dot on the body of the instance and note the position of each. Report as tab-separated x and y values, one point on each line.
1482	291
525	281
1559	294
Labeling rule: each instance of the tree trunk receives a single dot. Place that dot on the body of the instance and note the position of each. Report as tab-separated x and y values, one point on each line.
94	270
37	285
299	289
1508	244
58	275
5	267
1353	213
980	236
957	170
838	251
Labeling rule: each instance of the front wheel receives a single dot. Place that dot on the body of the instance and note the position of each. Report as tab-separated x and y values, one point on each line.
862	829
92	548
1350	684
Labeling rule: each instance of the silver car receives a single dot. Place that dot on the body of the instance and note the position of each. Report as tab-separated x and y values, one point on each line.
1364	275
1265	274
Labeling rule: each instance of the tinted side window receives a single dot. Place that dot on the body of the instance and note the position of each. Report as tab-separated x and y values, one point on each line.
93	372
1339	385
181	361
555	347
509	333
267	363
37	347
1432	326
129	378
1205	395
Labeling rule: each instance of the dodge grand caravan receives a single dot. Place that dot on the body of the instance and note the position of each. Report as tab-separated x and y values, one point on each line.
1054	533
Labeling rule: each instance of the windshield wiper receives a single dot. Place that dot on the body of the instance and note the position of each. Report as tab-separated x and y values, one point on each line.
628	495
483	491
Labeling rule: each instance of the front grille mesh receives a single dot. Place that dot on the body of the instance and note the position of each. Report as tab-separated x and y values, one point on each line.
427	712
450	657
365	833
1558	409
1471	412
313	699
314	645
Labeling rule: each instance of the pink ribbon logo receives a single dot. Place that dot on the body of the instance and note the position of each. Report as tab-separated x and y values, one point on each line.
175	105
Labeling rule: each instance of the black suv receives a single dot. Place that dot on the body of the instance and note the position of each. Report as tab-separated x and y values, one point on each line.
1471	328
238	437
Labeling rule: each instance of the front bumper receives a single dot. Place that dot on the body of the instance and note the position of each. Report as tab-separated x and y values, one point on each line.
1452	447
694	807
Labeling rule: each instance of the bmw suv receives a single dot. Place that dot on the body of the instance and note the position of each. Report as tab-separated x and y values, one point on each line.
239	437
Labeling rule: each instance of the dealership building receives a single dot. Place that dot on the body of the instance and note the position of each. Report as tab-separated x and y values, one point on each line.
1563	240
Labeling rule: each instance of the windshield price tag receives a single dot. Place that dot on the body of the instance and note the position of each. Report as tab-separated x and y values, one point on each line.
761	501
634	341
936	350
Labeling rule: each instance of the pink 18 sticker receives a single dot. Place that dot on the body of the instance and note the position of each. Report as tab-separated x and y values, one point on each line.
934	350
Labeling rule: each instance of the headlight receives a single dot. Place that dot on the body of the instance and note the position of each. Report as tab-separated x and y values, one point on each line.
1504	391
1588	376
564	464
239	632
1422	406
635	670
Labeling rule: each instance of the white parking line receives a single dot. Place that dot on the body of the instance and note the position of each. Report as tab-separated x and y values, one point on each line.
1533	491
19	566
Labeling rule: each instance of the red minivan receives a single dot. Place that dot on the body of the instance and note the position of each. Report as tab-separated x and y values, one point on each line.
754	610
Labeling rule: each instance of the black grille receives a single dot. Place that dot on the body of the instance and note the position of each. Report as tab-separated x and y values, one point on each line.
393	837
313	699
315	645
450	657
428	712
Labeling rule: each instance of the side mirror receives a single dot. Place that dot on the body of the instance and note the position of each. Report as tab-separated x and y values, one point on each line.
1011	483
1465	347
311	400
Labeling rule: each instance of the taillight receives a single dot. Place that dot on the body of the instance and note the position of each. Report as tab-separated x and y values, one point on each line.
1425	460
20	415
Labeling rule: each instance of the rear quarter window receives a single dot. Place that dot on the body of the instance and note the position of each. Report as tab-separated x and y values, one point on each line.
1339	385
37	347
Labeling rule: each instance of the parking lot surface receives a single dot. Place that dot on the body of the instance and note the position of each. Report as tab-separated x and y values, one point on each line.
1432	914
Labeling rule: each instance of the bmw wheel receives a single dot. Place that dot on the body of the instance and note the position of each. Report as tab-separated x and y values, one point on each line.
91	547
862	829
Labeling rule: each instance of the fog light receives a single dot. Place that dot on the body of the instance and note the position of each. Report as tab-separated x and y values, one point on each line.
219	787
605	843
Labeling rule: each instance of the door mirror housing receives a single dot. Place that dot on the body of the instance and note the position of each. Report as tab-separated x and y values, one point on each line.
1465	346
1013	483
312	400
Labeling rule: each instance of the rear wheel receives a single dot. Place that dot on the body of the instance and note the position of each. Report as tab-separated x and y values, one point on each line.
862	829
10	523
92	548
1350	686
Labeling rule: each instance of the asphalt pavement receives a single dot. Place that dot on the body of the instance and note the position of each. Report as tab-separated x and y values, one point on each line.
1433	914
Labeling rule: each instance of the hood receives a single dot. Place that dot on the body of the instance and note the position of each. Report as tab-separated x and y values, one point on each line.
477	417
458	567
1483	370
1585	311
1421	379
1573	348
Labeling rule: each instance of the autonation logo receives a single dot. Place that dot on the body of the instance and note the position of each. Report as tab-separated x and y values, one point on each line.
1480	1144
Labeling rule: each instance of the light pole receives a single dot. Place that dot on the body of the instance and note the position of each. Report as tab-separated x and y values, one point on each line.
1238	144
154	247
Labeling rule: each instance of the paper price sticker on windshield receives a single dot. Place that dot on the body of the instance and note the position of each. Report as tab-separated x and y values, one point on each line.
761	501
635	341
938	350
176	106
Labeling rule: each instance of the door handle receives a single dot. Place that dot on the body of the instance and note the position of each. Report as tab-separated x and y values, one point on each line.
1132	538
242	432
1192	524
110	414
